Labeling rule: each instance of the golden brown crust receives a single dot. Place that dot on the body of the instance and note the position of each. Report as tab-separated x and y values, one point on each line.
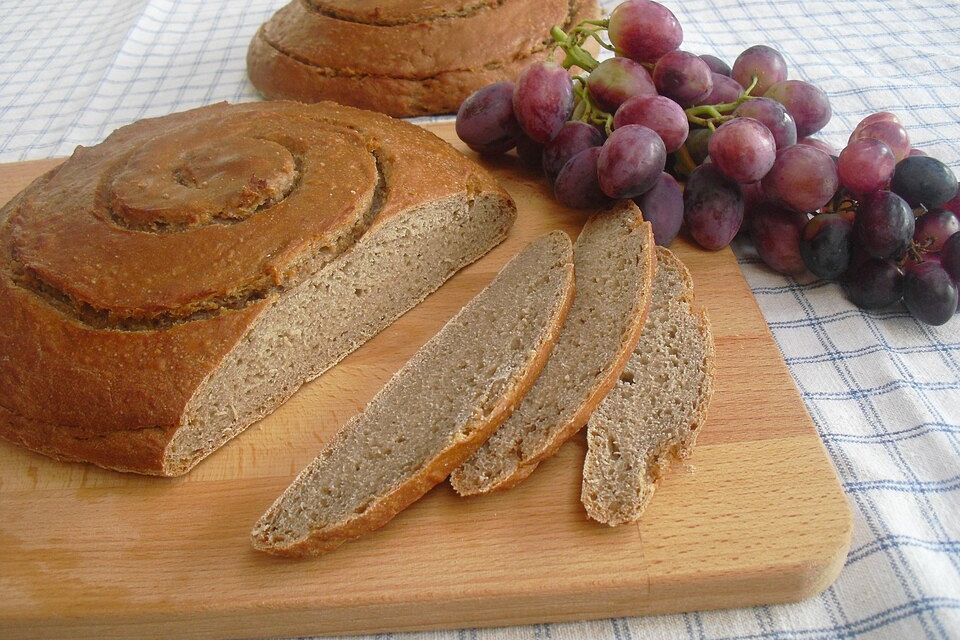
107	334
403	68
437	470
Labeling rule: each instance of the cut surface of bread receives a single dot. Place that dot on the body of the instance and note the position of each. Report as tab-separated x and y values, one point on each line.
614	257
399	57
433	413
653	414
163	290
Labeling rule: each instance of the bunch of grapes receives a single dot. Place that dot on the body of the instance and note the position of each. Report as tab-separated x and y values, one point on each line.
880	218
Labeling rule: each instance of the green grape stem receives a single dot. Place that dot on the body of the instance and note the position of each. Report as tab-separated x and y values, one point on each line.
585	110
712	115
571	42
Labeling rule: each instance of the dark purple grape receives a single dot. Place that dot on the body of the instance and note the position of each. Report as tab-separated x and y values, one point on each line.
543	100
890	132
774	117
716	64
826	147
683	77
924	181
808	104
573	138
929	293
631	161
529	152
950	257
866	166
743	149
712	207
934	228
725	90
802	178
698	145
659	113
662	207
916	152
825	245
485	121
644	30
884	225
617	80
577	185
761	61
776	235
874	283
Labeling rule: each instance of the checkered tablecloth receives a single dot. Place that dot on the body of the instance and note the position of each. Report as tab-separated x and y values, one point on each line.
883	390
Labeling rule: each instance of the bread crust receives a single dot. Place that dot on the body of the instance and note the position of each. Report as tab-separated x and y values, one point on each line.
436	470
579	419
98	365
422	67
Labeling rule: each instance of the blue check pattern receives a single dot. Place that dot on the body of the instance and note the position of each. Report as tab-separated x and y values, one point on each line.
883	390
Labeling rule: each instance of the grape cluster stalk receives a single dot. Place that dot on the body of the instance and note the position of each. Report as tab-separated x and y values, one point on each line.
880	217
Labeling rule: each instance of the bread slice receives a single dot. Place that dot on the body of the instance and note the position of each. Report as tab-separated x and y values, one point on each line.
653	414
615	259
434	412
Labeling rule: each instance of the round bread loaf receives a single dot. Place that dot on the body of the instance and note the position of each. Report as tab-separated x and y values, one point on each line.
402	57
168	287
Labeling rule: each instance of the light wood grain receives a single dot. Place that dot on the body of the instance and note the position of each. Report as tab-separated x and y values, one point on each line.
756	516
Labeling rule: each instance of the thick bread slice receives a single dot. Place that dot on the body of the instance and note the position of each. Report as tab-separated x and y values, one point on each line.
615	259
434	412
653	414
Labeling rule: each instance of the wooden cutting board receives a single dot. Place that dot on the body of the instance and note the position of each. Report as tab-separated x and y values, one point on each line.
756	516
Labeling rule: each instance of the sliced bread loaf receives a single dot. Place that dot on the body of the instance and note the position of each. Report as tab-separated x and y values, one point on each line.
653	414
614	258
434	412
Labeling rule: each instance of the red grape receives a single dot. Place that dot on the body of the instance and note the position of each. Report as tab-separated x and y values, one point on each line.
888	131
716	64
683	77
725	89
950	257
825	245
485	121
808	104
573	138
934	228
802	178
916	152
874	284
543	100
529	152
743	149
922	180
577	185
712	207
954	204
929	293
616	80
884	225
866	165
662	207
879	116
631	161
776	235
644	30
816	143
774	117
761	61
659	113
